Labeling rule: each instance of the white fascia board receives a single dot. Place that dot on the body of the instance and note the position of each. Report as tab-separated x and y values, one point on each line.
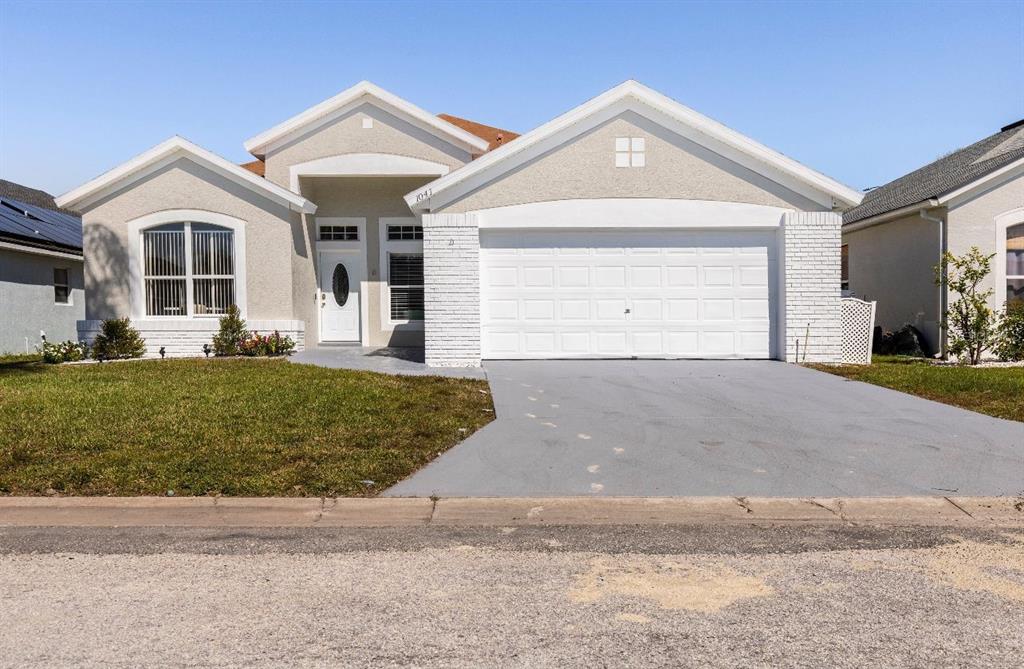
466	140
167	152
1006	172
714	135
10	246
887	216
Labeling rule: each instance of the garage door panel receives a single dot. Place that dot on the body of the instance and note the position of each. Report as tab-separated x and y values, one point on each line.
626	293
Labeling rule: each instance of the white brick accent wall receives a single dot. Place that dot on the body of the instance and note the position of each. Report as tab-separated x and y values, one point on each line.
810	257
451	276
185	338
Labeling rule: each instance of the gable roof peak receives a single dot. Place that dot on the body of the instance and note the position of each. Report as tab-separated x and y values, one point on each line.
324	111
174	147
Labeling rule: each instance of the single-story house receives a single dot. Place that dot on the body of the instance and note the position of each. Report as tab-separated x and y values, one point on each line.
893	240
41	274
630	226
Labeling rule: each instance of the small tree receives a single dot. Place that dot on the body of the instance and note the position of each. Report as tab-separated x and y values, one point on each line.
233	332
118	339
969	322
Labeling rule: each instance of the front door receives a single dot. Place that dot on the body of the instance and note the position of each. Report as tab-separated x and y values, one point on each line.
341	275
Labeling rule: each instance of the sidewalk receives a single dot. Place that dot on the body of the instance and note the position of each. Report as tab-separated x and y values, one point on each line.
490	511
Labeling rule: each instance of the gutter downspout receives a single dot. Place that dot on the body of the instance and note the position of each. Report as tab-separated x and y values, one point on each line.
943	291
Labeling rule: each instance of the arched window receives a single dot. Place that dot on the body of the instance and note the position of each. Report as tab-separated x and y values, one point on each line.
188	269
1015	265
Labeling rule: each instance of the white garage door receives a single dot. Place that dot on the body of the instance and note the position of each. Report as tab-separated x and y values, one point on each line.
610	294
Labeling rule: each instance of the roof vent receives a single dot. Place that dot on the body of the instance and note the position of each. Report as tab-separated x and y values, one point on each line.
1012	126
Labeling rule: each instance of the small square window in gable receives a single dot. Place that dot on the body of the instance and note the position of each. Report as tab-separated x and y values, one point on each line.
367	122
630	152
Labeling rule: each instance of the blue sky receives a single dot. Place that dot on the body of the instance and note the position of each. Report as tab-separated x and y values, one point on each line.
863	92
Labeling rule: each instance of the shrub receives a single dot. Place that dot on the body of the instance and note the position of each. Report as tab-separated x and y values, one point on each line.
905	341
64	351
118	340
1010	335
969	321
269	345
232	334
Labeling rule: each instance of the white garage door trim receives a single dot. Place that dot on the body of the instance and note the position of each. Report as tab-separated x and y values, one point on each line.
628	293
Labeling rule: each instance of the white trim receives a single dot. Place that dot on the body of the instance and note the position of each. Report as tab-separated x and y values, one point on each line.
362	244
632	213
1003	222
37	251
887	216
1004	173
327	110
643	100
136	288
364	165
166	153
397	246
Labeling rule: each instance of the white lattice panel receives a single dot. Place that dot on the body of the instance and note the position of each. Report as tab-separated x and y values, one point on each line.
858	319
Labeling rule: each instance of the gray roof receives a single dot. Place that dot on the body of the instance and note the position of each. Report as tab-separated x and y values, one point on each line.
33	196
946	174
25	224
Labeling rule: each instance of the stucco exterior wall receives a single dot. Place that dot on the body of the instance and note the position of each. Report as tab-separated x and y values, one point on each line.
273	238
892	264
345	134
27	300
972	223
371	198
585	168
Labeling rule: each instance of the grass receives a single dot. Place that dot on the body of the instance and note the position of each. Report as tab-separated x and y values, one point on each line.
996	391
232	427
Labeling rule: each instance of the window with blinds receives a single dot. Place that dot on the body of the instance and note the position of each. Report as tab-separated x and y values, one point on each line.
405	280
1015	265
188	269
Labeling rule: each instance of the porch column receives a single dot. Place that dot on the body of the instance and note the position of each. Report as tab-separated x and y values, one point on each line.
810	256
451	277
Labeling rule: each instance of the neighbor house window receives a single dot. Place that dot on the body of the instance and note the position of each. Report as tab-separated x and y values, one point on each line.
1015	265
339	233
61	287
844	265
629	152
404	232
405	280
188	269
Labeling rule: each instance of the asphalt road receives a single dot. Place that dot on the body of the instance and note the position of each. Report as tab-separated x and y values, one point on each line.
754	428
539	596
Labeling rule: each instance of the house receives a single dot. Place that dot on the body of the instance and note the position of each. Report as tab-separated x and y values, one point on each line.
630	226
895	237
41	280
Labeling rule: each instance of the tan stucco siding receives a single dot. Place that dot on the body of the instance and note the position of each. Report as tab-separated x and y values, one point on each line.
371	198
972	223
272	236
675	168
892	264
389	134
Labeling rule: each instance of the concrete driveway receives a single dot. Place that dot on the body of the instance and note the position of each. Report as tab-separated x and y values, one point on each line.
759	428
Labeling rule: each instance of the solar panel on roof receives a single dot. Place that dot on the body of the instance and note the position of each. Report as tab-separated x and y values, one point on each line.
38	224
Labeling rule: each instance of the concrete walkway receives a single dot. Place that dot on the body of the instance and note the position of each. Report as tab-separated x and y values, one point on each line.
402	361
756	428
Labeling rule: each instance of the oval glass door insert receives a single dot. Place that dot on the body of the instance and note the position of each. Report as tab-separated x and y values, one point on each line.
340	284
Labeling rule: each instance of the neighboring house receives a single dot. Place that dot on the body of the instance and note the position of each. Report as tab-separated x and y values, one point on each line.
895	237
41	281
630	226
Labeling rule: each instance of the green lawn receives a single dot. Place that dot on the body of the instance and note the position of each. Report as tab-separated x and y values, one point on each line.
233	427
994	391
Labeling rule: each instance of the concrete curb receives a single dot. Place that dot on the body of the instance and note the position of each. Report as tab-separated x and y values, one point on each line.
493	511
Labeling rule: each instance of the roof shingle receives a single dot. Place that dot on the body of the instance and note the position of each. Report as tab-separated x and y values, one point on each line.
945	175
